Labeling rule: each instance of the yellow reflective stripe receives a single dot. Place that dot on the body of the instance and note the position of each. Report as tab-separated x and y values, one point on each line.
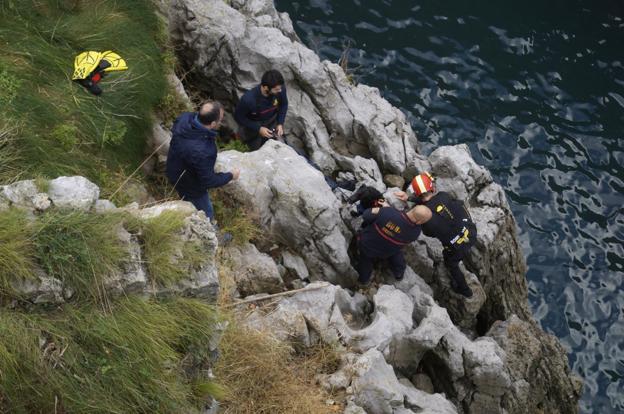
464	238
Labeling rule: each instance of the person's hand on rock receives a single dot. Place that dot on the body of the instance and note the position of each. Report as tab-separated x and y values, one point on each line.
235	174
401	195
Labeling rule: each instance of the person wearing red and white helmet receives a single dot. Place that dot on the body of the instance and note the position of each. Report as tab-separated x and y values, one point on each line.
450	223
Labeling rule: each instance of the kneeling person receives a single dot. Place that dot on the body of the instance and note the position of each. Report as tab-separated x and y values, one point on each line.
261	111
385	231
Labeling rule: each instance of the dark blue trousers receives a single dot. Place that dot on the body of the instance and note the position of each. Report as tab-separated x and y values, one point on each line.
202	203
396	262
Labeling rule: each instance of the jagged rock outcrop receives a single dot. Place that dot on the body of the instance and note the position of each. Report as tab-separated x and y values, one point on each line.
295	206
253	271
78	193
531	354
331	117
408	333
350	130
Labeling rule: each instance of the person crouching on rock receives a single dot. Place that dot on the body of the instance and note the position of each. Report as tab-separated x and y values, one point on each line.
192	156
385	230
450	223
261	111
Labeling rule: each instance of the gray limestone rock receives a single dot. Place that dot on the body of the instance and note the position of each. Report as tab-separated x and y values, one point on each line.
392	318
299	211
539	371
335	119
102	206
375	386
73	192
253	271
295	264
24	195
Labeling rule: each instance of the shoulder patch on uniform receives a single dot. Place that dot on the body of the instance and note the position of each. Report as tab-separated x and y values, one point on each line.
439	208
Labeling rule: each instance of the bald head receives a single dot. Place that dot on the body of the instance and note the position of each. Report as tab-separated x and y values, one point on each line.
210	114
420	214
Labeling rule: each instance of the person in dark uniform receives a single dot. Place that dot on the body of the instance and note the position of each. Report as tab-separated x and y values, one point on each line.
450	223
385	230
261	111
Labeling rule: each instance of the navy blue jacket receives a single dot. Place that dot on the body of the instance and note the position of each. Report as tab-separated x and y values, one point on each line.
383	234
192	156
254	109
450	220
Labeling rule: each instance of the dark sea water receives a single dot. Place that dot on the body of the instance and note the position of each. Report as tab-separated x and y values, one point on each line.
536	89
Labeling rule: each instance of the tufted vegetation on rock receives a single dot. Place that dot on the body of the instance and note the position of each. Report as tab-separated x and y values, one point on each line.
235	218
262	375
160	244
79	248
83	250
134	358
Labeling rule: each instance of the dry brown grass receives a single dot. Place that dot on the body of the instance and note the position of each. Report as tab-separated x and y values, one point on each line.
262	375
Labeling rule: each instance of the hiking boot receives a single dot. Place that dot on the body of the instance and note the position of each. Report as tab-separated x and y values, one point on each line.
347	184
465	290
224	238
365	285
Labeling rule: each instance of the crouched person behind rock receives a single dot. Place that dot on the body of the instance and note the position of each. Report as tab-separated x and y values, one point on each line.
385	230
192	156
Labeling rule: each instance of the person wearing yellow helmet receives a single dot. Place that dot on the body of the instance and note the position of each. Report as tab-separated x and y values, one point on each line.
450	223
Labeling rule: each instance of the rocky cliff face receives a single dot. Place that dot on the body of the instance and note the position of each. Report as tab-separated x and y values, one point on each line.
412	346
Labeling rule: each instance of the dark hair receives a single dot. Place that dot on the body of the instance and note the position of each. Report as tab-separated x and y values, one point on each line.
272	78
209	112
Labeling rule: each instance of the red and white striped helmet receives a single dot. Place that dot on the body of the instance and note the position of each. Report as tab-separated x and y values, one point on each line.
422	183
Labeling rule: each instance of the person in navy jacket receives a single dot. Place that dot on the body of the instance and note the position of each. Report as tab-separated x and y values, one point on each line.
385	231
192	156
261	111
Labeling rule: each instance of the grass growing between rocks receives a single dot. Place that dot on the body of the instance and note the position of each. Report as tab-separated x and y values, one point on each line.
234	217
81	249
161	245
261	375
142	357
64	130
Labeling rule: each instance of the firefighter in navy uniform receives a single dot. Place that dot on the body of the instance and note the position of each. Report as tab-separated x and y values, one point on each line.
261	111
385	230
450	223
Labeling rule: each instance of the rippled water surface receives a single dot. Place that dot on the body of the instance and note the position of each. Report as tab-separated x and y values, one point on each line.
536	89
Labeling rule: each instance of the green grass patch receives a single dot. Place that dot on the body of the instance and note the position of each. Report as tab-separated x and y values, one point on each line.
143	357
84	249
234	218
233	144
9	154
16	250
171	106
168	259
64	129
81	249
